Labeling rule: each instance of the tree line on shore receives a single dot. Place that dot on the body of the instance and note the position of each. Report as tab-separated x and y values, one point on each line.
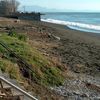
8	7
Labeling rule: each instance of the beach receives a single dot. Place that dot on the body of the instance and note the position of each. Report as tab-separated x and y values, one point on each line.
77	47
78	52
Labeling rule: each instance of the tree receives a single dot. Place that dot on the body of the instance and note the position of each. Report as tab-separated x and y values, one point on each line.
14	5
8	7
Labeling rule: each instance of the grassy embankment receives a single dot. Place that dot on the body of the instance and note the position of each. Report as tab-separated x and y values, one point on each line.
45	72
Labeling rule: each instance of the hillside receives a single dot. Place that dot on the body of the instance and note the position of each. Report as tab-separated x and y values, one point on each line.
45	72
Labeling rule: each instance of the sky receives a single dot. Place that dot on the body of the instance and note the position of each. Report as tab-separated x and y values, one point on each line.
65	5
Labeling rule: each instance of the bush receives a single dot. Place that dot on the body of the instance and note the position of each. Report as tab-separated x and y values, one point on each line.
21	37
12	33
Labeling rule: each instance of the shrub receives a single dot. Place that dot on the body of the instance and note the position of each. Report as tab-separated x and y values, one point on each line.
22	37
12	33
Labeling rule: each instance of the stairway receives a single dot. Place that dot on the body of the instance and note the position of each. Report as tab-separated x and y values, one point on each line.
9	90
8	93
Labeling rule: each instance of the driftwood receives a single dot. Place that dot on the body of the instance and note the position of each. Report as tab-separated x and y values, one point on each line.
54	36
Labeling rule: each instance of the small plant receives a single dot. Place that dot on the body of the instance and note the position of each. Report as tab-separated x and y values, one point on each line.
12	33
22	37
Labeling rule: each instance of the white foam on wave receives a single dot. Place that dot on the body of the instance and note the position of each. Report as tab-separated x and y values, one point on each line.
74	24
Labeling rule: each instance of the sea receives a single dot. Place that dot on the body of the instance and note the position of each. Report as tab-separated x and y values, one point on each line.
88	22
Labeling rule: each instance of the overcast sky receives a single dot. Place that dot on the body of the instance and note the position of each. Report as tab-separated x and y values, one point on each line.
77	5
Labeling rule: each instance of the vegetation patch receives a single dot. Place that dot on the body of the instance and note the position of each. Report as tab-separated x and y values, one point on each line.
21	37
45	72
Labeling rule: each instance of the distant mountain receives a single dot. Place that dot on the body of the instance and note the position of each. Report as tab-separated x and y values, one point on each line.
35	8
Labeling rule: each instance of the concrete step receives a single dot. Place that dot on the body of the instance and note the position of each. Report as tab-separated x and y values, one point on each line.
7	90
11	94
11	90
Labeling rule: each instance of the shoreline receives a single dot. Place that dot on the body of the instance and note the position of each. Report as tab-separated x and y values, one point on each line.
76	25
77	29
82	47
55	25
80	52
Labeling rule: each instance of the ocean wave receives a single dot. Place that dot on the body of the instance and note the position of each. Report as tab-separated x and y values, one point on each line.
74	24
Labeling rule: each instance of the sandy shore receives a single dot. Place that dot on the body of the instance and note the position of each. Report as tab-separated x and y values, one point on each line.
79	50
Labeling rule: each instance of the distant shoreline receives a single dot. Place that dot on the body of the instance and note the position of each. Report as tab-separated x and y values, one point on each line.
75	25
97	35
87	22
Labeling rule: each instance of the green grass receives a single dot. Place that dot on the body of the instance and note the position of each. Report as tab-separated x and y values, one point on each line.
44	71
21	37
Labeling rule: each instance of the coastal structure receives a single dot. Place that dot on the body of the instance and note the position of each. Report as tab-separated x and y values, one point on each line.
26	16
